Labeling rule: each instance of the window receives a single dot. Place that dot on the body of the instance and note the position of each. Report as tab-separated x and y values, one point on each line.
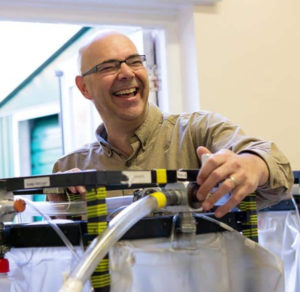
175	44
51	89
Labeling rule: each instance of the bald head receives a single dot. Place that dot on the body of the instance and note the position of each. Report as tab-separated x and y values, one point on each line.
105	43
121	95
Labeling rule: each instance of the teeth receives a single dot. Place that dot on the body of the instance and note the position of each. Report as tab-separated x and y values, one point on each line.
125	91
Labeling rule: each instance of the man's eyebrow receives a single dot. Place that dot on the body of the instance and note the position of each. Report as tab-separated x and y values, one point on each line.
109	60
114	60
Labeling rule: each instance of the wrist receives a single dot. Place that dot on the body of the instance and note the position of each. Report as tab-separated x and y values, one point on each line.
259	166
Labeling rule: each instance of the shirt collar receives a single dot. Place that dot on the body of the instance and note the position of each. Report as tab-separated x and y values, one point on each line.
101	136
146	130
143	133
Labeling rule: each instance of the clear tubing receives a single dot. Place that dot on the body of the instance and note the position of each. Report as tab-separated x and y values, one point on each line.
99	247
220	223
75	207
57	208
54	226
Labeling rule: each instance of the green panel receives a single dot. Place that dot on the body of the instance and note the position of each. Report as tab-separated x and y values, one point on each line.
46	145
46	148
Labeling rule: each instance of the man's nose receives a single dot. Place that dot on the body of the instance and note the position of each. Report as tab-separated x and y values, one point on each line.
125	71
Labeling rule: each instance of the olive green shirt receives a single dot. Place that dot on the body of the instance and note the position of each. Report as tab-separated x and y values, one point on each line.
170	142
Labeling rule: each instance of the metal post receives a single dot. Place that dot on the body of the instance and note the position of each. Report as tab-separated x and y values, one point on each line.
59	74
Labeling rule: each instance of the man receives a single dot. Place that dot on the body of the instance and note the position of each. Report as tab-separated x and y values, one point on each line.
136	135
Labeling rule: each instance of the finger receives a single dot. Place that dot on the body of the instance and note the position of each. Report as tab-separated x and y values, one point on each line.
81	189
237	196
224	188
72	189
55	197
219	174
76	189
212	164
200	151
73	170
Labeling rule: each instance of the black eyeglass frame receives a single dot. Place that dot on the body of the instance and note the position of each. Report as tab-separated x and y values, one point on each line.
96	67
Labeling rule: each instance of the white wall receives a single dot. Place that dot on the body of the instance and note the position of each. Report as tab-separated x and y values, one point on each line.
249	67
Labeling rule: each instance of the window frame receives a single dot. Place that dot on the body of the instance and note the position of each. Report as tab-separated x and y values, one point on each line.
175	20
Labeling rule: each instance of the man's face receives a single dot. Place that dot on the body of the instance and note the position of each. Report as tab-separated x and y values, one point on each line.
121	96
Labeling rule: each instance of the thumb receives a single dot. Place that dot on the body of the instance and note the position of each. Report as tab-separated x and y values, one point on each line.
202	150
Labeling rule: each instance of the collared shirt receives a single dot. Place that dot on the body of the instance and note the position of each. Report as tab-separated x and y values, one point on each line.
170	142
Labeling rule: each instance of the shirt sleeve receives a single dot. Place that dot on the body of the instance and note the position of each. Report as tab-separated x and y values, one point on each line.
219	133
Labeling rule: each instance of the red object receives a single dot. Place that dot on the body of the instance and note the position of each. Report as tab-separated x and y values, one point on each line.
4	266
19	205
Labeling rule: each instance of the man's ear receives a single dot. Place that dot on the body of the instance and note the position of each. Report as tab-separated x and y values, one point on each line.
79	80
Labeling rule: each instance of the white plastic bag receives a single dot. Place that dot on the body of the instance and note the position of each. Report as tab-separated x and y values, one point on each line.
222	262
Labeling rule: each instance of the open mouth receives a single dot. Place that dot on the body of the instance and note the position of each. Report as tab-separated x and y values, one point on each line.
126	92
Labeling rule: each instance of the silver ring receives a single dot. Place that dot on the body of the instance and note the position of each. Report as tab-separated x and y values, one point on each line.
231	177
208	196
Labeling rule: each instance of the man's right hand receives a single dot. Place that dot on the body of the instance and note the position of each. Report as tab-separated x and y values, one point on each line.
73	189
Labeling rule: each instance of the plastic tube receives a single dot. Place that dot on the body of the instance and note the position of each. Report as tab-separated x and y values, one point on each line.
220	223
57	208
100	245
76	207
54	226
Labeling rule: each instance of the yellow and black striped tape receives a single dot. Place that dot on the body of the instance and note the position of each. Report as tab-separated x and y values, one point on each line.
250	232
103	266
250	226
96	194
252	219
100	281
96	228
97	212
248	205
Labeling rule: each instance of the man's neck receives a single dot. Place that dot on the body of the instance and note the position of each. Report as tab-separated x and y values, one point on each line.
119	136
122	143
119	131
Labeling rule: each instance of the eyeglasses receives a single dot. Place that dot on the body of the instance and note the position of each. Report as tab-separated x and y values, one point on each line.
135	62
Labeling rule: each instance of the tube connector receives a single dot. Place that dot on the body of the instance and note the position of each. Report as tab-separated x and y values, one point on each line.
161	199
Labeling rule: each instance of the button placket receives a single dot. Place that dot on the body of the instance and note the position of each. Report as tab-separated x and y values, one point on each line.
109	152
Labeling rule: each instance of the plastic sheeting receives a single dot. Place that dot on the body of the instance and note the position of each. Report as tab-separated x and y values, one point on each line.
40	269
224	261
280	233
